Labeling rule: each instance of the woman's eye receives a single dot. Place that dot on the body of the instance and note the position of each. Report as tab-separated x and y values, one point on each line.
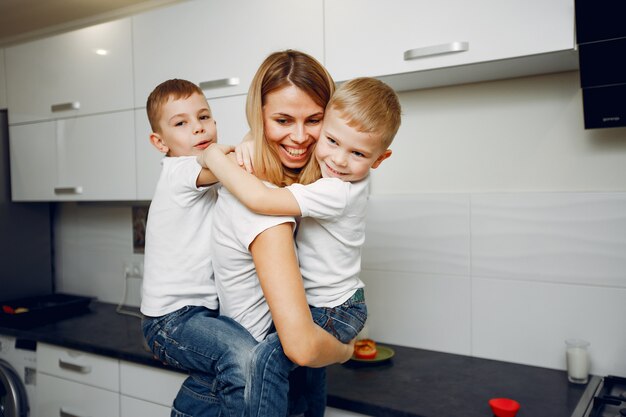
281	121
315	121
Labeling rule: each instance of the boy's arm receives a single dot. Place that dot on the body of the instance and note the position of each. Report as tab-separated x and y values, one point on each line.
205	177
246	187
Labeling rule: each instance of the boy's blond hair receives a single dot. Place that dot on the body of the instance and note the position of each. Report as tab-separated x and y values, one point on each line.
369	105
174	89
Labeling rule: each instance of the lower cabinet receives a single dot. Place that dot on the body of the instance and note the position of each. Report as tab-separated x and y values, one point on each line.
72	383
63	398
335	412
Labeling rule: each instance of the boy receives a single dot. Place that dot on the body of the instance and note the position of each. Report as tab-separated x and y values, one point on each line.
360	123
179	298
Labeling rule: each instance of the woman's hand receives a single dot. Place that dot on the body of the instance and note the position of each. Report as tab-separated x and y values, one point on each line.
244	152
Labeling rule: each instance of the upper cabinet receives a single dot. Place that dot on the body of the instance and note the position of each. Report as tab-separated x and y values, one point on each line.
86	71
220	44
404	39
3	82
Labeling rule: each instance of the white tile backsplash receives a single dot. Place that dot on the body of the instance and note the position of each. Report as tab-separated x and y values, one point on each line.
426	233
527	322
575	238
421	310
532	270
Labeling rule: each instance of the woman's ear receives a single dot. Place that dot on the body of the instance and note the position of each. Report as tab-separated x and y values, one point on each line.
381	158
158	143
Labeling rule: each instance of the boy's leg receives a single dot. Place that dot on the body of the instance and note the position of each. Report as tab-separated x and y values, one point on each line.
344	322
268	380
215	350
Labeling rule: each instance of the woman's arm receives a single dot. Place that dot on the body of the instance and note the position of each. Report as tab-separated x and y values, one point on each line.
246	187
304	342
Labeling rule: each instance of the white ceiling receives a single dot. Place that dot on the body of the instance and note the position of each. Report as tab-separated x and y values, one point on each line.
22	20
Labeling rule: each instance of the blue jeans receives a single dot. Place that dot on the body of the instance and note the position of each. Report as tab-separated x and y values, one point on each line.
270	389
215	350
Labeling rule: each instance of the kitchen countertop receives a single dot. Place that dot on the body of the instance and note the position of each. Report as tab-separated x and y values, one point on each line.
414	383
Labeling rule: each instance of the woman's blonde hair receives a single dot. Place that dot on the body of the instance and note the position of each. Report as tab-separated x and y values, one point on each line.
279	70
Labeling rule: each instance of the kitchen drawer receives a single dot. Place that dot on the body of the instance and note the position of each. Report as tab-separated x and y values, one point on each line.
60	397
138	381
132	407
78	366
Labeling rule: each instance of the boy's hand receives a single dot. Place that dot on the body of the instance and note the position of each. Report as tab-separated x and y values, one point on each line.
214	147
244	152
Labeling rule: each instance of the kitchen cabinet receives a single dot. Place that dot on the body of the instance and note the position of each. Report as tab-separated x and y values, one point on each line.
335	412
86	71
405	41
228	112
140	396
218	44
84	158
74	383
3	82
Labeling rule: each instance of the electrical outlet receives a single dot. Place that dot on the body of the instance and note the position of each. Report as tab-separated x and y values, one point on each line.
133	269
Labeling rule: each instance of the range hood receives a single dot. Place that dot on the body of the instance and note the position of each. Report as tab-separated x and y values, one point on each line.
601	38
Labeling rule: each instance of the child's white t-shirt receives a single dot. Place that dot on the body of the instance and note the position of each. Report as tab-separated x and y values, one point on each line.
178	268
238	287
330	236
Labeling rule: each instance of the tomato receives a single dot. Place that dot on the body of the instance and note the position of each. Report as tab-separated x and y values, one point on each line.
365	349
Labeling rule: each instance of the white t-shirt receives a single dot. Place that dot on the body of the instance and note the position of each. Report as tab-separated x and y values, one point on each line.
178	270
238	287
329	239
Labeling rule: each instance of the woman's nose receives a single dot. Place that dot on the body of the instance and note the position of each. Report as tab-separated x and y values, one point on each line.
299	135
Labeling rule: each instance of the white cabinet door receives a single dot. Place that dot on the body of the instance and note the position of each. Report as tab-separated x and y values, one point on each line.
59	397
370	37
230	115
335	412
80	159
90	69
213	40
132	407
138	381
3	82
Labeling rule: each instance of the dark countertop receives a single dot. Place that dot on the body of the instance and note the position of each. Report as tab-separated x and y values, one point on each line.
414	383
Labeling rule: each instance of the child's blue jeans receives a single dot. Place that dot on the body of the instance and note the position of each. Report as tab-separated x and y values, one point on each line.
268	383
215	350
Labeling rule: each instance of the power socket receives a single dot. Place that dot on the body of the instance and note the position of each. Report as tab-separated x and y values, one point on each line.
133	269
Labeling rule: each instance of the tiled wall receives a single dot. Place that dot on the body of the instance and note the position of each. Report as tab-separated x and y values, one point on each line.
505	276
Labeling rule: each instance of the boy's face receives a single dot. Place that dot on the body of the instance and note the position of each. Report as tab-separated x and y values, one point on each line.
186	126
344	152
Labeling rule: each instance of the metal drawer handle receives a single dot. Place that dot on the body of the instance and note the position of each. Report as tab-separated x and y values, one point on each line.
68	366
68	190
63	412
74	105
427	51
225	82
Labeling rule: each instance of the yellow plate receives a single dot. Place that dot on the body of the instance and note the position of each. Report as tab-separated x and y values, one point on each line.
383	353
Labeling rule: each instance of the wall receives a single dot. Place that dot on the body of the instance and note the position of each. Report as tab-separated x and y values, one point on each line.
497	229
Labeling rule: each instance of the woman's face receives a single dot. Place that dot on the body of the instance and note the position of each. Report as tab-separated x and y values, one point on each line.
293	123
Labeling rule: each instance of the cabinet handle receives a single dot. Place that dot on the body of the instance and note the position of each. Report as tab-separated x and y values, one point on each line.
427	51
225	82
63	412
68	366
68	190
74	105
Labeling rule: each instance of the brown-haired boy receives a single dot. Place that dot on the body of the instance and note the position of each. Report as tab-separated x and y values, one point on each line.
179	297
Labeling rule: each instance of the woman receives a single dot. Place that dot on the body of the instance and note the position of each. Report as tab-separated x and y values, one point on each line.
256	267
